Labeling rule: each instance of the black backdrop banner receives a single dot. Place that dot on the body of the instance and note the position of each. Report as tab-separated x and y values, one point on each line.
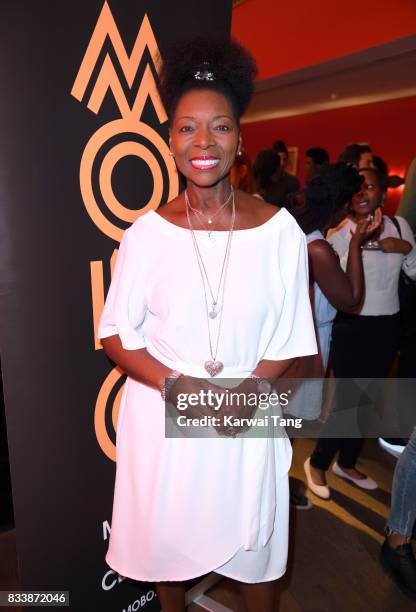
82	154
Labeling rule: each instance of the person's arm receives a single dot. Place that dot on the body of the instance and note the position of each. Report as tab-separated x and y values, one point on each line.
121	327
395	245
137	364
344	290
405	245
273	369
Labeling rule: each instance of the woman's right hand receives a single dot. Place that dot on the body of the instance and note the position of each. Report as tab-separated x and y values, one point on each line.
366	228
181	389
185	386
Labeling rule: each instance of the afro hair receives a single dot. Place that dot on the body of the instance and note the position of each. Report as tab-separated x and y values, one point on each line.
326	194
228	67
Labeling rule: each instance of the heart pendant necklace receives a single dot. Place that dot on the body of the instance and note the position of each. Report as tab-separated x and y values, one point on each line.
215	308
213	366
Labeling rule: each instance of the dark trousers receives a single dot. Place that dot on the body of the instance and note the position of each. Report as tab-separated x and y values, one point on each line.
361	347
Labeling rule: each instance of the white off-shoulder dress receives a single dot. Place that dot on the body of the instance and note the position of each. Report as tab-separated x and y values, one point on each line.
186	506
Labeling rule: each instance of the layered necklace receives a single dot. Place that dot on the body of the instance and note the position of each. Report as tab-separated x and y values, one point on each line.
210	220
214	300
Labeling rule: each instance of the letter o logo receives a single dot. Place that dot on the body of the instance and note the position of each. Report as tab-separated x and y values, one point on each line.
103	402
118	127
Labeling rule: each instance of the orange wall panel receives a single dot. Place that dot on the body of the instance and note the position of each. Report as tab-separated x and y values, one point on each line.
286	35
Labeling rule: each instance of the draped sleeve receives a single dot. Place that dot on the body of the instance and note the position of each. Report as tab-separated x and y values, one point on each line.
125	306
294	335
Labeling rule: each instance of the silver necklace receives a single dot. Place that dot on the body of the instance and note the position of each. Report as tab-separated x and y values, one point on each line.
200	215
215	306
210	239
213	366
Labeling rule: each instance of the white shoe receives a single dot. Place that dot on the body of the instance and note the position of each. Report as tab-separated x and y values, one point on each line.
394	449
321	491
365	483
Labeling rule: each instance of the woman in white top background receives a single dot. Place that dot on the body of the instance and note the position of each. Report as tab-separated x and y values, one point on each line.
213	284
365	341
327	198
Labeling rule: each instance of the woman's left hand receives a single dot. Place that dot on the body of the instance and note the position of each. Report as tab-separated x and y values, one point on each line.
395	245
234	412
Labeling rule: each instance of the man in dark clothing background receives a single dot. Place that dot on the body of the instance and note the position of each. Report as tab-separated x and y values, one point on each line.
283	183
316	157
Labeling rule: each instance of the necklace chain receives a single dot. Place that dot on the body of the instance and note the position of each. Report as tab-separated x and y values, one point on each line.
200	215
205	282
201	261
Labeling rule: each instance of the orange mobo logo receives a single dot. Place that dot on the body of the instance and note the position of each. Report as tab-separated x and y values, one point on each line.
126	135
151	149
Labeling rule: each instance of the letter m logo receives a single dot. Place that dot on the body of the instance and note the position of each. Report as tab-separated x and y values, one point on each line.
108	78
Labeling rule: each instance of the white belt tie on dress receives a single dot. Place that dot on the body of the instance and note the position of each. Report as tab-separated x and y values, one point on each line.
198	370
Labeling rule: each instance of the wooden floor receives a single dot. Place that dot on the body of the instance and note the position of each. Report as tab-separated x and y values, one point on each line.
334	547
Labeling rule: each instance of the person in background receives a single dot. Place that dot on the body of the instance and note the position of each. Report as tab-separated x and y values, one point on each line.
380	165
327	198
242	173
407	206
359	156
283	182
393	180
316	158
374	324
266	164
396	553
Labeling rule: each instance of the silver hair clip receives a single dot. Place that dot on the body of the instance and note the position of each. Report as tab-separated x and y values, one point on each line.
204	74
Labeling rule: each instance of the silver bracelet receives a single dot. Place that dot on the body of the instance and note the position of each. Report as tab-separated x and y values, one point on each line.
263	384
169	382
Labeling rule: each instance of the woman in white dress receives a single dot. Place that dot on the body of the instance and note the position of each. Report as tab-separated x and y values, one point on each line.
213	284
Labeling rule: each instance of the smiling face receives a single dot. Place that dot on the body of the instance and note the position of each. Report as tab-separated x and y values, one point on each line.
204	136
369	197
